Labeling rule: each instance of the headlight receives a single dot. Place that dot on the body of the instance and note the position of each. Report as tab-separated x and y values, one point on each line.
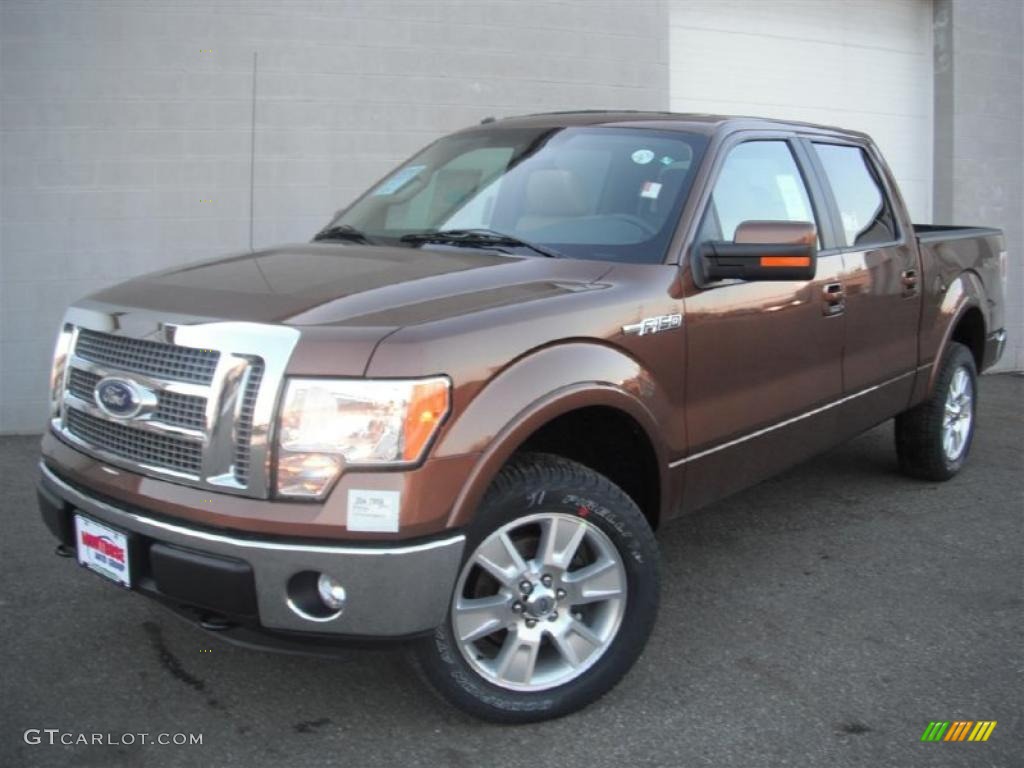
328	423
60	359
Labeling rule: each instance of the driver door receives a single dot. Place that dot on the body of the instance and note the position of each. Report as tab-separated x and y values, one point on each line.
763	358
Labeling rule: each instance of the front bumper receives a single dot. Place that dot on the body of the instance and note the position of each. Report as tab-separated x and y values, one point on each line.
392	591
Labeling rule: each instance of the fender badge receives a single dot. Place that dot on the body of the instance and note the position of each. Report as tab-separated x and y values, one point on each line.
653	325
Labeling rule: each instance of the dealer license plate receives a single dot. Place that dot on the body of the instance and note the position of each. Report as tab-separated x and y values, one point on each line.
102	549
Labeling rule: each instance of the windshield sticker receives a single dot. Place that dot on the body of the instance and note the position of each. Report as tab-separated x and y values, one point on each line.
666	160
643	156
400	178
650	189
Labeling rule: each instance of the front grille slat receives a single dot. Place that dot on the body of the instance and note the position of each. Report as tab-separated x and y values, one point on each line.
82	384
139	445
243	427
179	410
167	361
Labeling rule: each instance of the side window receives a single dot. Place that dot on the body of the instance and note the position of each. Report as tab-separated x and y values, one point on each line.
863	207
759	181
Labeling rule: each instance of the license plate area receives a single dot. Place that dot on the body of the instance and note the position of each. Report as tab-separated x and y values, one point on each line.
103	549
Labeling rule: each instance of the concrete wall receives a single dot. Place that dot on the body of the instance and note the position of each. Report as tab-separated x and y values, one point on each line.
126	126
979	133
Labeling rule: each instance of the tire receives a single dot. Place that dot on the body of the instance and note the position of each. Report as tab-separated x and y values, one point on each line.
924	443
538	499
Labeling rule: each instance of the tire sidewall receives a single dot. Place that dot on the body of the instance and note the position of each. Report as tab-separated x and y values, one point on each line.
610	510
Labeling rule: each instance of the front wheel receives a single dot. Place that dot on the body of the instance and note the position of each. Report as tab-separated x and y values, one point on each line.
555	600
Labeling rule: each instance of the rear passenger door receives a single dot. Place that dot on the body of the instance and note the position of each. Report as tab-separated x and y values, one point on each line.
880	282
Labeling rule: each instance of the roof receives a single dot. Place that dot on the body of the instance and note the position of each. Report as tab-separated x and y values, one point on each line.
693	122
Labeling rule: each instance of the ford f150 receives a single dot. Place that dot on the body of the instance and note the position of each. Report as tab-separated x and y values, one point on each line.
457	416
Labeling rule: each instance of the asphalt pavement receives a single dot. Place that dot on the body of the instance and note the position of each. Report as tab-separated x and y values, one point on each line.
823	618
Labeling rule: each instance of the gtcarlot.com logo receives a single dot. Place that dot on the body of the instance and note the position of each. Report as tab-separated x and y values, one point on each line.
55	736
958	730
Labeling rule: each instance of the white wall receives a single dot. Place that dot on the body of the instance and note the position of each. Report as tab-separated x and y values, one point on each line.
126	125
980	134
860	64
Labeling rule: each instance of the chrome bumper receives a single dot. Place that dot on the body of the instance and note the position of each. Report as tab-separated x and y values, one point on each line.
391	592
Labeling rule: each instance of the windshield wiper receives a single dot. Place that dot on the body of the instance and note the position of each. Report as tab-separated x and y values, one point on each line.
341	232
476	237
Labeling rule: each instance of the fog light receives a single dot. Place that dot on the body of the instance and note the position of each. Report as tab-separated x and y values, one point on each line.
331	592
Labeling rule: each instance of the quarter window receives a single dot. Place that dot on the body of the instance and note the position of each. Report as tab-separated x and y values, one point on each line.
865	211
759	181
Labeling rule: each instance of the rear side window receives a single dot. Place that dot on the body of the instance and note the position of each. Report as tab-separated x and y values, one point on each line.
865	211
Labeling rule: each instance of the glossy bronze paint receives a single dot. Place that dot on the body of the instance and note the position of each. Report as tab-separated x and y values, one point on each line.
745	387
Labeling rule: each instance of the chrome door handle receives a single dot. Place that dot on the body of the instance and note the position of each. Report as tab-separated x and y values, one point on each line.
835	299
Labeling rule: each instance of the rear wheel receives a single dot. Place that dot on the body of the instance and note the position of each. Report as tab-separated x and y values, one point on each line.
934	438
555	600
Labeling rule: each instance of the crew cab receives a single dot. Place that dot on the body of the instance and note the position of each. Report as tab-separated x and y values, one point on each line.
457	416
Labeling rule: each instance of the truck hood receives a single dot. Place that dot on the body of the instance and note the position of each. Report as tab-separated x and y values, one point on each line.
354	286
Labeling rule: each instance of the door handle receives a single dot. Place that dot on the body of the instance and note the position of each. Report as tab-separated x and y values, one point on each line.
835	299
909	279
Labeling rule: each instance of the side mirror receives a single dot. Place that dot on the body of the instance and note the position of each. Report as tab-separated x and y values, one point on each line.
763	250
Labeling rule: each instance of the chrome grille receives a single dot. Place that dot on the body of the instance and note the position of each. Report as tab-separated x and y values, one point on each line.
206	391
82	384
243	427
167	361
166	451
180	410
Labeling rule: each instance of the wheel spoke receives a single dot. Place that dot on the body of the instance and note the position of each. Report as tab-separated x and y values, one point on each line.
559	540
517	659
478	617
500	558
576	642
594	583
564	645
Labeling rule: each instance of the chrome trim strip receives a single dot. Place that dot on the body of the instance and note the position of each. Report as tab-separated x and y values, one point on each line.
151	382
144	424
794	419
219	538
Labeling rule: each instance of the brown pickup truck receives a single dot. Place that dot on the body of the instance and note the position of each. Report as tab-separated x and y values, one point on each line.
457	416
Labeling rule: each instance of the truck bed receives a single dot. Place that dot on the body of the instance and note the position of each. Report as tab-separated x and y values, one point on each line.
975	259
929	233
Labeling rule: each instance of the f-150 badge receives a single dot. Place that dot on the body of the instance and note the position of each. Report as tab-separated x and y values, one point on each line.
653	325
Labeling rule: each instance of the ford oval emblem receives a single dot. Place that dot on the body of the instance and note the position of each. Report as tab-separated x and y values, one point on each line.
119	397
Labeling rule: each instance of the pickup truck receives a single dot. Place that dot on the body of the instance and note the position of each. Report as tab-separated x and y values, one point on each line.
458	415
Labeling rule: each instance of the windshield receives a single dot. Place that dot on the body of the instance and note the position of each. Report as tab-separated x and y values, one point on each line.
612	194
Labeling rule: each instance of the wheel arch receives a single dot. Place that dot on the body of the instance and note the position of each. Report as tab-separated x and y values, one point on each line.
527	413
963	305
